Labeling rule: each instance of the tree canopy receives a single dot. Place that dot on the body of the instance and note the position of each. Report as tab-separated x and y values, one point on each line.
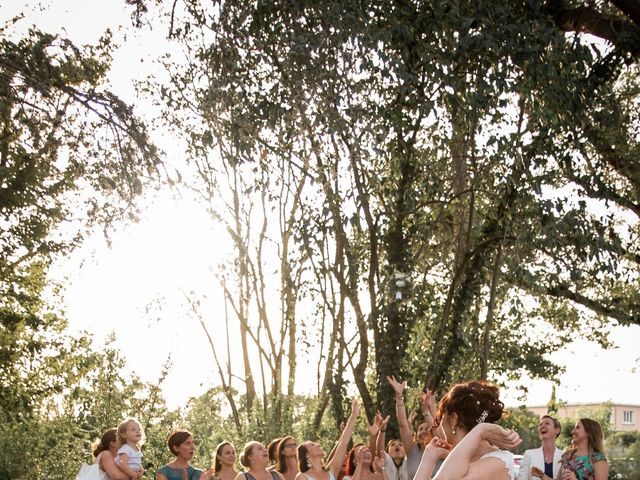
461	178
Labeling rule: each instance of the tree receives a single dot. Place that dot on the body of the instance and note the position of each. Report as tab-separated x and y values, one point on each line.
465	178
73	156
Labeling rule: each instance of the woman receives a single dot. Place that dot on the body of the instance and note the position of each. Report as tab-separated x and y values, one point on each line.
287	458
105	451
362	465
310	454
586	460
224	463
413	445
181	444
255	458
472	440
544	462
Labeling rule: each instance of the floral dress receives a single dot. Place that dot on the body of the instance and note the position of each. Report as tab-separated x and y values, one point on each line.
582	465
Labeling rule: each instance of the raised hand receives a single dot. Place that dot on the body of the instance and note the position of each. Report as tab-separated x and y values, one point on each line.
500	437
438	448
376	426
379	462
412	418
428	402
398	387
384	422
355	407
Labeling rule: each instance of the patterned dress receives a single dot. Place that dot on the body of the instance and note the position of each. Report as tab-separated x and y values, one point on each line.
582	465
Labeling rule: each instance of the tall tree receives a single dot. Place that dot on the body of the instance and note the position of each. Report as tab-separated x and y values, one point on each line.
465	173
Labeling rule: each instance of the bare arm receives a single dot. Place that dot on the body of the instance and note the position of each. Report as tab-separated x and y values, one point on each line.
381	435
345	437
335	445
434	450
380	465
108	464
428	407
601	470
458	464
123	466
374	429
406	434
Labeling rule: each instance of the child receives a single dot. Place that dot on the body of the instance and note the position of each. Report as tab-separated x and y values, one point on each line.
129	458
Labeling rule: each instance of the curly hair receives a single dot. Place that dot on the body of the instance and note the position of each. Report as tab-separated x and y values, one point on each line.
473	403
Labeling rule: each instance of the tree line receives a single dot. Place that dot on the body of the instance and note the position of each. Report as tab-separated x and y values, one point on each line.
434	190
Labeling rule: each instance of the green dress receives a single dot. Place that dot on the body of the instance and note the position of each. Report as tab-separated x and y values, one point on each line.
176	473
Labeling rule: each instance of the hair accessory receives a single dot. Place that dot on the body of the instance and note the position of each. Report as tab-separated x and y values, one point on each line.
483	416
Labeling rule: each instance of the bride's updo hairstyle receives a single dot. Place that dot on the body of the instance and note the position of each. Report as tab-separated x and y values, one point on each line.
473	403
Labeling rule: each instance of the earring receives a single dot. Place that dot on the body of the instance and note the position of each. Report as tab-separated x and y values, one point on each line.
453	430
309	464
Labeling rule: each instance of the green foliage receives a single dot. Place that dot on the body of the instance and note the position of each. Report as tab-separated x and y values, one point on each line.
459	144
525	423
72	155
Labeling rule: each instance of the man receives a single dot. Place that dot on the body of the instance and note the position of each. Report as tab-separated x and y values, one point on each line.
543	462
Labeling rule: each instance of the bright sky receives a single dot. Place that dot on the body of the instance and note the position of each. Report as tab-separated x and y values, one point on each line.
137	287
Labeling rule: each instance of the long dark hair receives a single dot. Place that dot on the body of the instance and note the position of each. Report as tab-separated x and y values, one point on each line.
303	460
281	461
272	447
217	464
595	437
104	443
350	468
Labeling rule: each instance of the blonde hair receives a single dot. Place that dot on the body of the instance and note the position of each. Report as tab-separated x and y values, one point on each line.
122	431
248	450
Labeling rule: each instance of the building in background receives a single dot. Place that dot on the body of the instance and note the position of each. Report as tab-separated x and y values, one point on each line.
624	417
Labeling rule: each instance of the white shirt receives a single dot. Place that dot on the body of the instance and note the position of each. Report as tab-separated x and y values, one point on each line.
393	472
134	459
535	458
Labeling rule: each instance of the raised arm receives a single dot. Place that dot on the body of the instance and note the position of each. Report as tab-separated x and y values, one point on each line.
345	437
458	465
435	450
380	441
406	434
377	432
335	445
380	465
428	407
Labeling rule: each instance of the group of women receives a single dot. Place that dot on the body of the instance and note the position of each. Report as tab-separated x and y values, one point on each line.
459	439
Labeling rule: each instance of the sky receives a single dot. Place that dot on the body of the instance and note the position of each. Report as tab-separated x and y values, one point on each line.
138	285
